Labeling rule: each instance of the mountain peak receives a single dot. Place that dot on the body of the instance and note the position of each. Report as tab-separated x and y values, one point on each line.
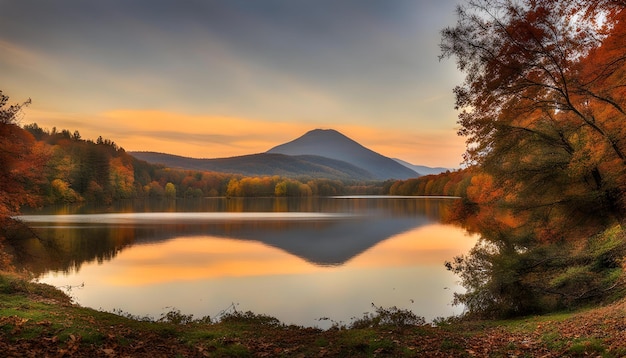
321	131
332	144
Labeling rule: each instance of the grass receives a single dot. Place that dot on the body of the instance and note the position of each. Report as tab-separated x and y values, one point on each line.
40	320
586	347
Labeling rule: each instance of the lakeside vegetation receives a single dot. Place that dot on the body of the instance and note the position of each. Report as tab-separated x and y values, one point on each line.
39	320
542	106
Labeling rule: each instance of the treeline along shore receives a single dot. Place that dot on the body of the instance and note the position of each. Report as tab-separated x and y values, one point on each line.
74	169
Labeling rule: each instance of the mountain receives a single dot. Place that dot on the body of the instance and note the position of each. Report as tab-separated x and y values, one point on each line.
422	170
332	144
317	154
264	164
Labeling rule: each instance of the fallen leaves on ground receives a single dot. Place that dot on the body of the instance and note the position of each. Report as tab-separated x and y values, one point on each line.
597	332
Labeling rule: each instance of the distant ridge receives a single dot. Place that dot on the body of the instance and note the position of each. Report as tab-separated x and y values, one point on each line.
422	170
264	164
320	153
330	143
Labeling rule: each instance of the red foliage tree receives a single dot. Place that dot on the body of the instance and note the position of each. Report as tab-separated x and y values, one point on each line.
21	161
542	104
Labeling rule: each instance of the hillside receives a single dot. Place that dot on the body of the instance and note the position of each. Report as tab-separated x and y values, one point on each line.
332	144
319	153
421	169
264	164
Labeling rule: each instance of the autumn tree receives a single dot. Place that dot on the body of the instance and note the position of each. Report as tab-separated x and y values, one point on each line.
20	161
170	191
290	187
542	104
121	177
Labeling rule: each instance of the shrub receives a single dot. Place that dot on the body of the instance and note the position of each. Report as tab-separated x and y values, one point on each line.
393	316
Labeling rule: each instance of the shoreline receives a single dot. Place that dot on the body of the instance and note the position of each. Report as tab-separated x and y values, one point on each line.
38	319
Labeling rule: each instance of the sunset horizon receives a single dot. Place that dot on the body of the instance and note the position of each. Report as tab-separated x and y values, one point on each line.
222	79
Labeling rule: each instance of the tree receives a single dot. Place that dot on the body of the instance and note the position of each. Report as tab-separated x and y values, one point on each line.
20	161
170	191
233	188
121	177
542	104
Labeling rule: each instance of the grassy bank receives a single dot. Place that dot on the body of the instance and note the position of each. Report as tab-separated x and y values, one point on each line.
40	320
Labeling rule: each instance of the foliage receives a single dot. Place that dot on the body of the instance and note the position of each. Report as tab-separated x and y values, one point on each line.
20	161
249	318
78	169
170	191
449	183
174	316
289	187
388	317
508	273
542	104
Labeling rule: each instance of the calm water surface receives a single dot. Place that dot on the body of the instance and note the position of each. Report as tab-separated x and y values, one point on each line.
295	259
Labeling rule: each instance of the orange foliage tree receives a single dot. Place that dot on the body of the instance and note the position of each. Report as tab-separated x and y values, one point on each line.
543	104
453	183
20	161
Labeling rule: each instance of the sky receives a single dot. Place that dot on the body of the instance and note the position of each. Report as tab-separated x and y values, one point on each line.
221	78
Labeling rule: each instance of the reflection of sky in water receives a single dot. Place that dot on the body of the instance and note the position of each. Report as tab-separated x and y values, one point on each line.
324	258
202	275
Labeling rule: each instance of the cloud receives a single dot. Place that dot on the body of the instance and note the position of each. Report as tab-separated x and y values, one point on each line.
234	74
18	56
194	135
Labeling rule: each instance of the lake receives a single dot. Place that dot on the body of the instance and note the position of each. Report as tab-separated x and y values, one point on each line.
299	260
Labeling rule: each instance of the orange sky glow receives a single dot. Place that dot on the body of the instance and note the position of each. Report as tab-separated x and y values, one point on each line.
195	258
205	136
227	78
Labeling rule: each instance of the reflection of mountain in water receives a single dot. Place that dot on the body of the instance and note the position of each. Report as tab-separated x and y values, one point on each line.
322	242
332	237
333	243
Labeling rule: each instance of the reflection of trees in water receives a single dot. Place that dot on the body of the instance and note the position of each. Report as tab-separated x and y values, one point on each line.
323	242
66	249
516	269
432	208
